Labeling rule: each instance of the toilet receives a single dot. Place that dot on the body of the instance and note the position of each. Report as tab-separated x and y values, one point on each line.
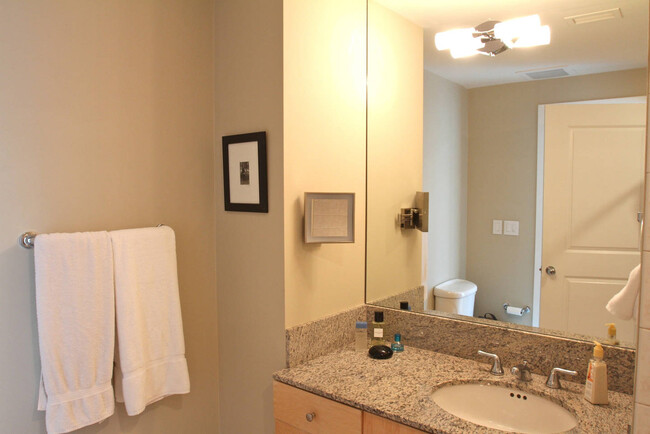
455	296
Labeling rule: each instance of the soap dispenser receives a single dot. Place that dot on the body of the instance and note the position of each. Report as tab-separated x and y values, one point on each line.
611	334
596	384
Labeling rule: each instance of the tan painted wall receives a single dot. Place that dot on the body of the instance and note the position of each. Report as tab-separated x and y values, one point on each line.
250	263
107	122
395	95
502	177
445	178
324	150
642	374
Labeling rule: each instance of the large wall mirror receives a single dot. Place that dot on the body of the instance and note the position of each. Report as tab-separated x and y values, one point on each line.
533	159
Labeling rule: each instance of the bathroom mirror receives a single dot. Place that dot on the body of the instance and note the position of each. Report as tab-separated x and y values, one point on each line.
473	133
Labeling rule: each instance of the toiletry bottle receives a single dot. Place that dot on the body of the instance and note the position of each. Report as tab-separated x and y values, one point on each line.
596	384
397	346
361	336
611	334
378	330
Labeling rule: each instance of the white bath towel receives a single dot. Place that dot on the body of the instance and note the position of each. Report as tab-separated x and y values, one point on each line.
76	328
624	304
151	362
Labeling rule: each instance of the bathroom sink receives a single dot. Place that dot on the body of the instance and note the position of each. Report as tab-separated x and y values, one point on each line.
504	408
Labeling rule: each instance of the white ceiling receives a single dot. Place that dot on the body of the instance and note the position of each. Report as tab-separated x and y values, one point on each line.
611	45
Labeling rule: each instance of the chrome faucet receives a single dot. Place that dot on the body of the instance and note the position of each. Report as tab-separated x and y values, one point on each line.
554	380
496	365
522	372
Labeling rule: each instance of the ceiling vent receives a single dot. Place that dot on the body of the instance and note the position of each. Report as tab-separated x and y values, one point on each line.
592	17
541	74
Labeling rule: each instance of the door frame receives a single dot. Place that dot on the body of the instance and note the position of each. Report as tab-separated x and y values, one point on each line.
539	198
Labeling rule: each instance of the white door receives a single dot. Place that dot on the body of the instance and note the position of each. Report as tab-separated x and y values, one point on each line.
593	190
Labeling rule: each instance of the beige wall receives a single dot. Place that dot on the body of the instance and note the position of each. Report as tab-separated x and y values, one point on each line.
642	380
445	178
107	122
502	177
324	150
395	95
250	263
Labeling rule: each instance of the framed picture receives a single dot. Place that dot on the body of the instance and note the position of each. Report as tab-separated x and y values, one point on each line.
244	172
329	217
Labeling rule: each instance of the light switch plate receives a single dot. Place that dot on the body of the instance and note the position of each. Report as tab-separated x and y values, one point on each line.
511	227
497	227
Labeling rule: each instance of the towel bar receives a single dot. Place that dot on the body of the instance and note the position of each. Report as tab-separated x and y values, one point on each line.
26	240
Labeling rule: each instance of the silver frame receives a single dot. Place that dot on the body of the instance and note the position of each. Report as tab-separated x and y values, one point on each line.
309	238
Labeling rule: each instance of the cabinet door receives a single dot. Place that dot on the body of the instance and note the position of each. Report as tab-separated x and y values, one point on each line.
291	406
285	428
373	424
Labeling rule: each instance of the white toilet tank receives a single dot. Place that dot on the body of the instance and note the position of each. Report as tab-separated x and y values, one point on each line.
455	296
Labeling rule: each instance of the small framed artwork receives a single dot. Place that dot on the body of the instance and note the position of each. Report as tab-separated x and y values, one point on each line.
244	172
329	217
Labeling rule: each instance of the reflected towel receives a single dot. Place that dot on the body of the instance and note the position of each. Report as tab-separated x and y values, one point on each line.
151	351
76	328
624	304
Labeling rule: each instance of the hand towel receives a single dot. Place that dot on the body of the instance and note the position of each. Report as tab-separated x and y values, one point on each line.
76	328
623	305
151	351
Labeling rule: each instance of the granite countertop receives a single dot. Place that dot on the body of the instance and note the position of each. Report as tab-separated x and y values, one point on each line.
400	389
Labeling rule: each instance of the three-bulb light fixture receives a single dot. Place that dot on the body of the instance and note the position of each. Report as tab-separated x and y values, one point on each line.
493	37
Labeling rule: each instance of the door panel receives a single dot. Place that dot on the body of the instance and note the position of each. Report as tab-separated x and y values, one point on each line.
593	190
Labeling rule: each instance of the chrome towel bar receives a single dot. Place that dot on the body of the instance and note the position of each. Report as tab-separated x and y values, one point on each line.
26	240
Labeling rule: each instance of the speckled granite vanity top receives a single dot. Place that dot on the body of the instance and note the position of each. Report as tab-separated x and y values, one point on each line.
400	389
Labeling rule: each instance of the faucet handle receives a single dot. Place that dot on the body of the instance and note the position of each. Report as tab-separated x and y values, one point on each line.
522	372
496	365
554	380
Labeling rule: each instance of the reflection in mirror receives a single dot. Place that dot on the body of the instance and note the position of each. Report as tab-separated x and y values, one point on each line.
533	160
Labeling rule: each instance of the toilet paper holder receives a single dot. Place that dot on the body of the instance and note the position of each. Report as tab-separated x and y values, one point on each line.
517	311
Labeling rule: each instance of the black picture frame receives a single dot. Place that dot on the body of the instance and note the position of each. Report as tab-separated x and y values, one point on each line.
245	180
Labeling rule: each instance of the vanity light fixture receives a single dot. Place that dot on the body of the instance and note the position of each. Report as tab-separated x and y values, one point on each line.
494	37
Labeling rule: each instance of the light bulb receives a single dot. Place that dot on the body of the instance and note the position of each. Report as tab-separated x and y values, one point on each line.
445	40
511	31
460	42
539	36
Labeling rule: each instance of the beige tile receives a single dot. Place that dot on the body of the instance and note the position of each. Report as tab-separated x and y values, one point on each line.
641	419
644	297
642	386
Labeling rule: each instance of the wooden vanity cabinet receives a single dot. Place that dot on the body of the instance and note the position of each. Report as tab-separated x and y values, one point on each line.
373	424
293	408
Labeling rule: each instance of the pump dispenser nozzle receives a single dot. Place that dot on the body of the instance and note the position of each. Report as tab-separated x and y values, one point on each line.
598	350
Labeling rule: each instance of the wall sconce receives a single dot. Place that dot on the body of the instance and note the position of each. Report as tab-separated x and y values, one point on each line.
418	217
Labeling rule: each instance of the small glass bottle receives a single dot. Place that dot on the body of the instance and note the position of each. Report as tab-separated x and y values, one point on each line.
397	346
361	336
378	330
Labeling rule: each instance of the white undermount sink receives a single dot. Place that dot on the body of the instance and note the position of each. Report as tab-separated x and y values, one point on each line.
504	408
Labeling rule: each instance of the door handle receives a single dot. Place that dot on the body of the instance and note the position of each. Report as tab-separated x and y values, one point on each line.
550	270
